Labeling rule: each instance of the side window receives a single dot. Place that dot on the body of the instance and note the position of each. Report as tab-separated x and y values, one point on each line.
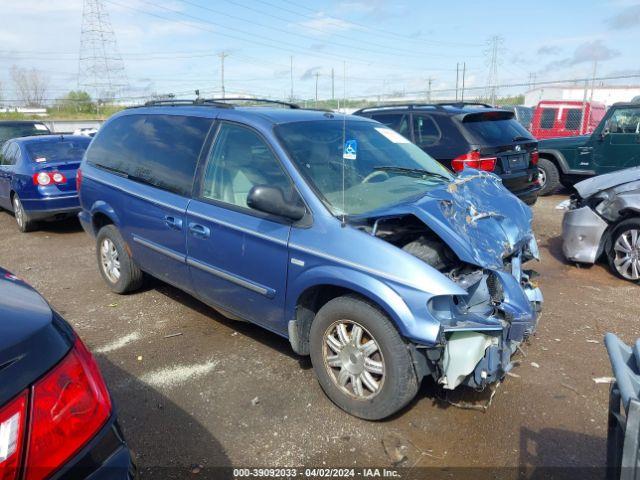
398	121
574	119
548	117
9	154
240	160
160	150
625	120
425	130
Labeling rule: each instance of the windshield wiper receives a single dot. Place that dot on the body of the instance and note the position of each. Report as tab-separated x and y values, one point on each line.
520	138
419	172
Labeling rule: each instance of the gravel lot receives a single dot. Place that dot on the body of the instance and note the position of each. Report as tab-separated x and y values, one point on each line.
225	393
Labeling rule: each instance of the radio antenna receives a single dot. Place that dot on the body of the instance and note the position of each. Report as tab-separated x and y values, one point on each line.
344	139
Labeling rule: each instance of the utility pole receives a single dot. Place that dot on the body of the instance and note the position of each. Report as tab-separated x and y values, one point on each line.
222	56
317	75
464	73
429	80
333	85
291	95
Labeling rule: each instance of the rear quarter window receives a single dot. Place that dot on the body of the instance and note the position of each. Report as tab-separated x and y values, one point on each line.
161	150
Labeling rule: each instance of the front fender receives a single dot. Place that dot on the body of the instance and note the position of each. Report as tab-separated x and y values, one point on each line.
413	323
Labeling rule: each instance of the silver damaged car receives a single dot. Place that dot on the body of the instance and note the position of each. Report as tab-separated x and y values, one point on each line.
603	218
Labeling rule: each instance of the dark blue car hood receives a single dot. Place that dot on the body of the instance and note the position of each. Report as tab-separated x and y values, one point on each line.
480	220
33	337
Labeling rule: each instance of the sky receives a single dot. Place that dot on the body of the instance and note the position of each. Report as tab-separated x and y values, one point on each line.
374	47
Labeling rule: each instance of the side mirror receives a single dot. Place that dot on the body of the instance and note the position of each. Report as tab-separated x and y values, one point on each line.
271	200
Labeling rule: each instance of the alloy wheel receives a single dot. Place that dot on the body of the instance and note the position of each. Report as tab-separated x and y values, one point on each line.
110	260
354	360
627	254
542	177
18	211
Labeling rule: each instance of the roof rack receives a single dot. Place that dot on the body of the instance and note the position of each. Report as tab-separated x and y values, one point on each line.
465	104
178	102
254	100
414	106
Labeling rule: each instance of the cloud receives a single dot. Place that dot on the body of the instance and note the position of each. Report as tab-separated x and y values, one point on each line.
309	73
627	18
372	8
586	53
549	50
324	25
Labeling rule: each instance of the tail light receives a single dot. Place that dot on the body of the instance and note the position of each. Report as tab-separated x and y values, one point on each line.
47	178
12	432
68	406
78	180
474	160
535	156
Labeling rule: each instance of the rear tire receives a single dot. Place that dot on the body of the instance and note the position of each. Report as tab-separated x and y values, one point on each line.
624	252
365	368
549	176
25	224
116	266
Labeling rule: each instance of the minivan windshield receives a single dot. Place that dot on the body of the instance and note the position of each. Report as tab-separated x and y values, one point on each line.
360	166
58	150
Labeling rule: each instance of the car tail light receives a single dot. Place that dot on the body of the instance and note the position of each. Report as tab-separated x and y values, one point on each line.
78	180
473	159
69	405
535	156
12	432
47	178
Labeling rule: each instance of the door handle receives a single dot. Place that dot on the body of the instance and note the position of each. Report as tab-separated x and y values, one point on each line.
198	230
173	222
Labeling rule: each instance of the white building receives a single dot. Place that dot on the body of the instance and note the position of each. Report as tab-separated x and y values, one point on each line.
601	93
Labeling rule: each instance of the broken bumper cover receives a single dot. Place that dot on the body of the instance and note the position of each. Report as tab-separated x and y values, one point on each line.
477	348
582	231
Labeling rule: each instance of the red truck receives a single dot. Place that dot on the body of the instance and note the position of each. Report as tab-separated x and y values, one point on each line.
562	118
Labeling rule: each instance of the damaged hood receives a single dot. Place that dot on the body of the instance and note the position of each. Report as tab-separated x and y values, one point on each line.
594	185
477	217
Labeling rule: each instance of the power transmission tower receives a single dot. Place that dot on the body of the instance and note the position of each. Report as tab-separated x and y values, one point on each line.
101	70
222	56
493	51
429	80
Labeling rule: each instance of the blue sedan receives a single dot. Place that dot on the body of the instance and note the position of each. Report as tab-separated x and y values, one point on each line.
38	177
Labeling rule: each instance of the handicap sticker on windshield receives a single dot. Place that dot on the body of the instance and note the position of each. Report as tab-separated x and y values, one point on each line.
350	151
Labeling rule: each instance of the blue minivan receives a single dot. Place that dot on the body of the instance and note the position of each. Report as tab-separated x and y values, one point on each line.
333	231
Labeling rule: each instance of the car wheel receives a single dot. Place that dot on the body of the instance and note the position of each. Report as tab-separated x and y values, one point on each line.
548	176
22	218
624	253
361	362
114	262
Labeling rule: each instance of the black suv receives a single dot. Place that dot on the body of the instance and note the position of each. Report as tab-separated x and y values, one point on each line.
474	135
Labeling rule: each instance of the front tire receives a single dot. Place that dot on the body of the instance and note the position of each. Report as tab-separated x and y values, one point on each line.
549	176
116	266
624	252
22	218
362	363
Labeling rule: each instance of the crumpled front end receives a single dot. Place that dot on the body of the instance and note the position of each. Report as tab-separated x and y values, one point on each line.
481	331
600	202
477	234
